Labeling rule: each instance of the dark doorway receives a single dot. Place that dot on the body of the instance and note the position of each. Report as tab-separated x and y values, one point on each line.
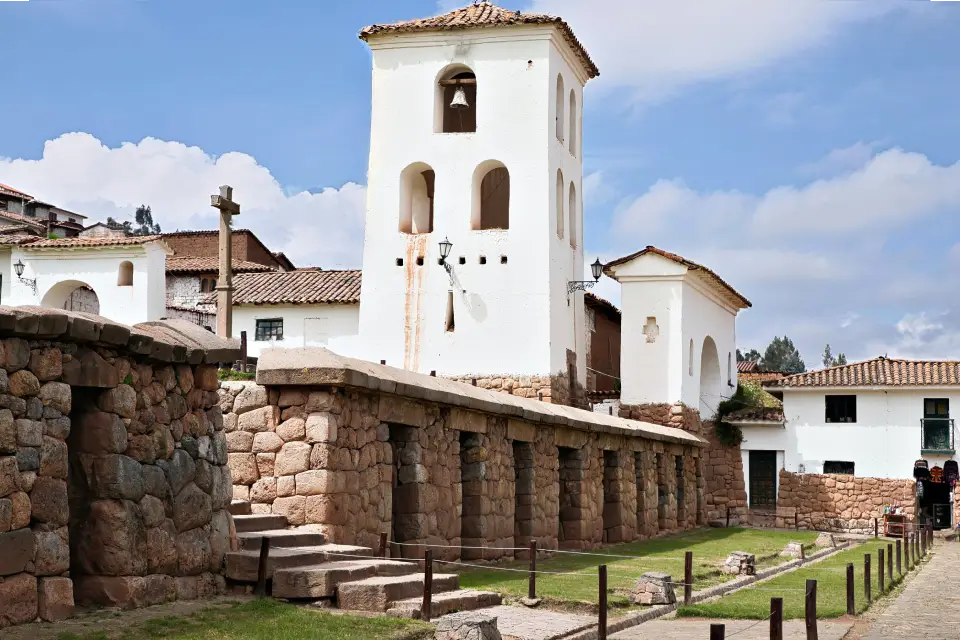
569	527
523	476
612	531
473	473
763	479
641	490
661	494
407	517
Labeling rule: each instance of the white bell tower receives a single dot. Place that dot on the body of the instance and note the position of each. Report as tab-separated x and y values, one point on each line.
476	140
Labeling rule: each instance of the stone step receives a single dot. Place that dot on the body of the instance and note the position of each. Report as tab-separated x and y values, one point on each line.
444	603
242	565
322	580
259	522
376	594
239	508
250	540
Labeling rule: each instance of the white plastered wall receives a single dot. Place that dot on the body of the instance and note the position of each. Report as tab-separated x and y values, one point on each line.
510	318
321	325
705	314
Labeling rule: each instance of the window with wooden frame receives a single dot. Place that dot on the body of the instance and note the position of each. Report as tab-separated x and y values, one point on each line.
841	408
269	329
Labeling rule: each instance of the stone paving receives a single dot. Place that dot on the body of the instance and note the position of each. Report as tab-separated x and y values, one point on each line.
929	606
745	630
536	624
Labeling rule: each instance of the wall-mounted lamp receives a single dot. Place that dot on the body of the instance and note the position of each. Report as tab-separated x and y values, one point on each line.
596	269
445	247
18	268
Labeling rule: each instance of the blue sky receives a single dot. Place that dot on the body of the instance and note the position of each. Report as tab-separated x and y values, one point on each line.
806	151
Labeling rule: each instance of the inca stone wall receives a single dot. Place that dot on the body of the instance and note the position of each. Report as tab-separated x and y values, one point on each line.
345	447
113	476
553	389
837	502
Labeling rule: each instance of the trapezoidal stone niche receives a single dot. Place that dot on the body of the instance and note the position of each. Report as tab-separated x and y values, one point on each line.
113	478
353	449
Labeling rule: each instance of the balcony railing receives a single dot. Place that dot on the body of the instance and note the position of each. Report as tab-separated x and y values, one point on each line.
937	435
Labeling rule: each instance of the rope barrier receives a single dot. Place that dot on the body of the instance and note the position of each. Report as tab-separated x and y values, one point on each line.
460	546
730	635
564	551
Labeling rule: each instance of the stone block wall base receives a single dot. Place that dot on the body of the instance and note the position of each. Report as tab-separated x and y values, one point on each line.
55	599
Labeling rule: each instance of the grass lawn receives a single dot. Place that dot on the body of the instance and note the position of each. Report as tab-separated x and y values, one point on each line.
710	548
267	619
831	578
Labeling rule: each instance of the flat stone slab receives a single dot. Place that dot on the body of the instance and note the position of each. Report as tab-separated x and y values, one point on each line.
260	522
376	594
240	508
538	624
251	540
444	603
242	565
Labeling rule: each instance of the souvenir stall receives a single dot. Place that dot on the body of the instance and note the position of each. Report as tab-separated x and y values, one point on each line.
935	487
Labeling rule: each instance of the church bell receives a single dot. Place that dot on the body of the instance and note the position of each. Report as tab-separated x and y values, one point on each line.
459	99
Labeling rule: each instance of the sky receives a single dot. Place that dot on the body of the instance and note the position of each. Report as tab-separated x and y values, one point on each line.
806	151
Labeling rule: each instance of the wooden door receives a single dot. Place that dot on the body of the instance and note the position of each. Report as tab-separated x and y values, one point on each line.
763	479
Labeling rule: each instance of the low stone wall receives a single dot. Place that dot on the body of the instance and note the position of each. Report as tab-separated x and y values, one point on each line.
355	449
113	476
837	502
553	389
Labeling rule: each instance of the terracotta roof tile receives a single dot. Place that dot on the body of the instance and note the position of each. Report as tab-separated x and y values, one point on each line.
596	301
484	15
766	414
17	238
210	264
7	190
19	217
104	241
689	264
747	366
297	287
879	372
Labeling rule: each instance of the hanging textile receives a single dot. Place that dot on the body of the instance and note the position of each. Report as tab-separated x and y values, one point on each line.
951	472
936	474
920	469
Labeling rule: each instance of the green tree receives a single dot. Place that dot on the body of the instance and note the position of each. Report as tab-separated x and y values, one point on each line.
781	355
752	355
827	359
145	226
841	360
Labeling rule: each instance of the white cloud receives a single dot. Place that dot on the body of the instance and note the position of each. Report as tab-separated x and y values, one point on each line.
80	173
657	48
840	161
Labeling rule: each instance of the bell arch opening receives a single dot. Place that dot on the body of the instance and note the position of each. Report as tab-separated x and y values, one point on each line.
491	197
573	123
560	104
456	100
709	379
559	204
125	274
72	295
572	212
416	198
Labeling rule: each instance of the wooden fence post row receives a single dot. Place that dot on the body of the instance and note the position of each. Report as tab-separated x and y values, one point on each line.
866	576
427	606
851	600
688	578
602	621
776	618
810	610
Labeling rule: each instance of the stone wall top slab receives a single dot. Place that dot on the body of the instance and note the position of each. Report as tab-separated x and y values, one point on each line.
163	340
313	366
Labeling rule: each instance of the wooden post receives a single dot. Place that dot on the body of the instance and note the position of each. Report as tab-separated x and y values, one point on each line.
383	545
851	598
718	632
228	208
433	373
810	610
532	586
880	572
427	603
890	563
473	381
243	351
899	553
876	527
262	567
803	553
688	578
866	576
602	619
776	618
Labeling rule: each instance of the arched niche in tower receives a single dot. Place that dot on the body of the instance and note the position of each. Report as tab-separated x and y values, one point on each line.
559	198
561	96
573	123
416	198
491	197
456	100
572	211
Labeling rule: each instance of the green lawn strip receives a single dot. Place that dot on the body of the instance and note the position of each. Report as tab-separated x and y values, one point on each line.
710	548
830	574
266	620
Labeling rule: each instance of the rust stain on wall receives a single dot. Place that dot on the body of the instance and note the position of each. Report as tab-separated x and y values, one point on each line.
413	283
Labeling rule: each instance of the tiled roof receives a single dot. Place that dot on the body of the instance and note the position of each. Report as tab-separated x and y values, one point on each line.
689	264
210	264
748	366
6	190
17	238
484	15
597	301
283	260
879	372
202	232
297	287
19	217
104	241
766	414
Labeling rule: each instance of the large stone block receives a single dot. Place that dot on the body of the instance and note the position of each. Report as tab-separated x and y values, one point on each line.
125	592
222	491
184	377
191	508
52	552
55	602
17	550
100	432
293	508
467	625
293	458
121	400
117	477
267	442
251	396
20	510
142	448
155	481
23	383
112	541
162	549
193	552
16	354
321	428
57	396
159	589
222	534
87	368
264	491
205	377
257	420
48	501
18	600
152	510
320	401
53	458
29	432
243	467
8	432
181	470
321	481
654	588
240	441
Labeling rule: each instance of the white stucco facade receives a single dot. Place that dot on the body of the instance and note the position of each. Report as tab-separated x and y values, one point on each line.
510	315
315	325
884	442
678	335
58	272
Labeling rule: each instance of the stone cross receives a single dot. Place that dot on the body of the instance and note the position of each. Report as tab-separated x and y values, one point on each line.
228	208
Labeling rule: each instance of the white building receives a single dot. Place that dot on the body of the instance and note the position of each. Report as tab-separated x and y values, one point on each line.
873	419
500	177
679	331
120	278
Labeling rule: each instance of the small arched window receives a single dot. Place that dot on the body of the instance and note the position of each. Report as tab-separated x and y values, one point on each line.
573	122
560	100
456	100
416	198
572	212
559	204
125	274
690	365
491	197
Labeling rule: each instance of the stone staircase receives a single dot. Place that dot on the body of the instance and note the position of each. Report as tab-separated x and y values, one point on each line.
303	566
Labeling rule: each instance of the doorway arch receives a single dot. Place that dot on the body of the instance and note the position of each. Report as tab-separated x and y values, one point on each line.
709	379
72	295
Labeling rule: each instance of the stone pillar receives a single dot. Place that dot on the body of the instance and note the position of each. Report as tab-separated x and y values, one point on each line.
476	523
667	488
572	464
